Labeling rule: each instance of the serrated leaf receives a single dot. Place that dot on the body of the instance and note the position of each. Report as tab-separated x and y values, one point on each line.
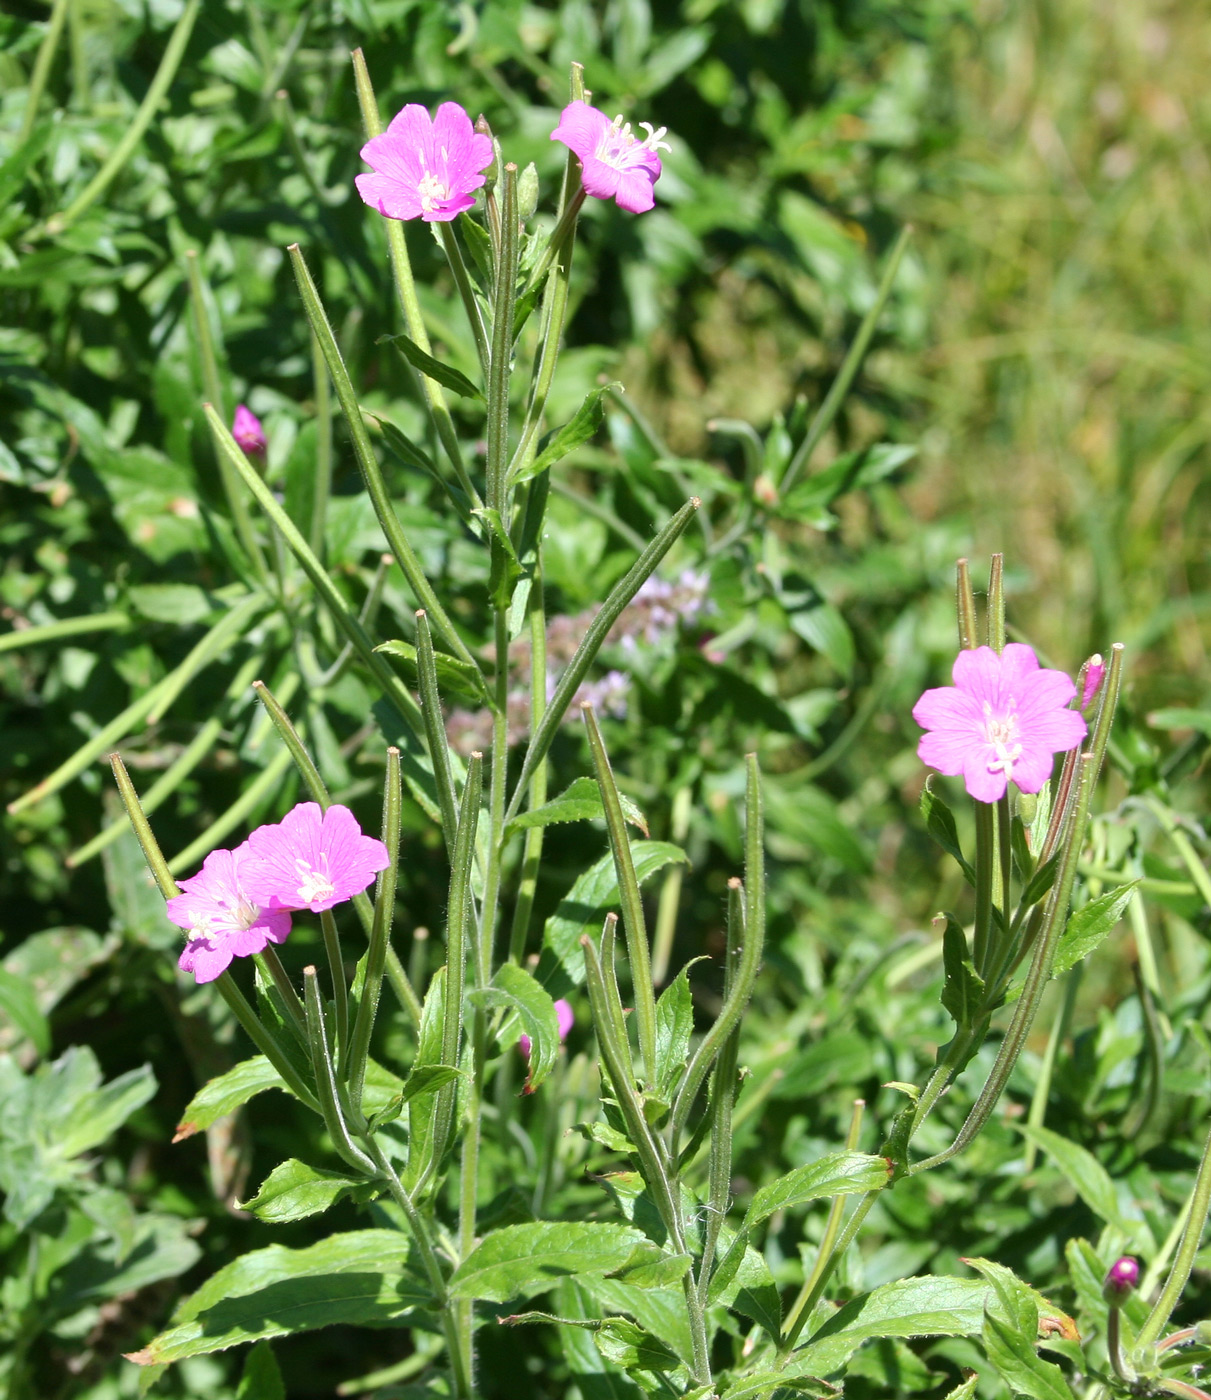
293	1190
579	802
837	1174
963	989
674	1026
359	1278
649	1266
521	1260
556	445
445	375
514	987
1040	882
1086	927
626	1344
226	1093
453	675
606	1136
940	822
584	908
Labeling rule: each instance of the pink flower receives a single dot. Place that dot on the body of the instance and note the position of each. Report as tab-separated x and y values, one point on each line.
1095	669
311	860
224	922
617	165
425	168
1002	721
565	1018
1121	1281
247	431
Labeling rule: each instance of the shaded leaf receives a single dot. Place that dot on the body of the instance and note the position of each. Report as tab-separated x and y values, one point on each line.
445	375
226	1093
520	1260
293	1190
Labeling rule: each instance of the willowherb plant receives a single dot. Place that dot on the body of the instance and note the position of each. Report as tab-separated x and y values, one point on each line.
669	1285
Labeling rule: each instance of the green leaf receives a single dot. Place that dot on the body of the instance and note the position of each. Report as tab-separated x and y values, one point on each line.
940	822
177	603
521	1260
402	445
19	1006
421	1122
649	1266
837	1174
445	375
513	986
1011	1330
1084	1173
454	676
225	1094
963	990
161	1248
579	802
104	1111
627	1345
556	445
422	1082
293	1190
584	908
1040	882
261	1379
850	472
674	1026
1087	927
824	630
360	1279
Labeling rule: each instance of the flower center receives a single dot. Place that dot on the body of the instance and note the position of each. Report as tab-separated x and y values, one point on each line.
620	148
1001	731
432	192
314	884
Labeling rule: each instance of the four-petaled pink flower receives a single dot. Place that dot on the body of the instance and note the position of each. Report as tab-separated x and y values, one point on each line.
617	164
247	430
223	920
563	1016
425	168
311	859
1001	722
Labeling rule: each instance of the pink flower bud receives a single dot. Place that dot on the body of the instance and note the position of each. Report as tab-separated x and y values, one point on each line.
1094	669
565	1019
1121	1280
247	431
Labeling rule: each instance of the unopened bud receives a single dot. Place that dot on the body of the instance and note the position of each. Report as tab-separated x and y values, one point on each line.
247	431
1028	806
1121	1280
527	192
1091	678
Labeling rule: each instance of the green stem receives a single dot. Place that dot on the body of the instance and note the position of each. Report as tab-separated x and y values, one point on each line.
42	66
501	362
1042	1089
435	729
340	989
965	604
1183	1261
229	629
325	1077
670	891
531	859
822	1274
266	782
271	965
985	862
849	368
173	54
996	603
65	627
462	280
322	483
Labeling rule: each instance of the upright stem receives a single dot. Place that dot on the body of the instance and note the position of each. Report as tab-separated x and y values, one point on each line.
984	867
1183	1262
323	448
532	851
42	65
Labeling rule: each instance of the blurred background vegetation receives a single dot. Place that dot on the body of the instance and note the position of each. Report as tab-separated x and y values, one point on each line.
1038	384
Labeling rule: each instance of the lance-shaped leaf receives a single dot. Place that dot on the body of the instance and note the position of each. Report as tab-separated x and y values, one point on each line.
579	802
1087	927
521	1260
445	375
963	990
454	675
556	445
293	1190
359	1279
940	822
837	1174
226	1093
513	986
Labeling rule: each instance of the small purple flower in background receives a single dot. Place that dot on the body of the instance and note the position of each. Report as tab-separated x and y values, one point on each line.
223	920
565	1018
617	164
1001	722
608	696
247	431
1095	669
311	860
1120	1282
425	168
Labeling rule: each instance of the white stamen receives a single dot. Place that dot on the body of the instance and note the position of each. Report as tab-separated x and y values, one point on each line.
432	192
313	884
1001	731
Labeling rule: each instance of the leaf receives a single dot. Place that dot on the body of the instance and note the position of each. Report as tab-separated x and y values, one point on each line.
940	822
177	603
521	1260
850	472
837	1174
674	1026
963	990
261	1379
584	907
104	1111
1084	1173
228	1092
19	1006
579	802
1011	1329
824	629
513	986
293	1190
556	445
402	445
359	1278
649	1266
423	1081
453	674
1040	882
161	1248
627	1345
421	1124
445	375
1087	927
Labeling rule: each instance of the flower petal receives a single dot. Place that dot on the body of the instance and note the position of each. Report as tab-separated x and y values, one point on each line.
581	128
947	707
635	193
391	197
206	958
980	780
599	179
978	672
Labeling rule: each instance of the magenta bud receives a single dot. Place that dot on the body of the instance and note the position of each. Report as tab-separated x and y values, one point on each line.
1094	669
1121	1280
247	431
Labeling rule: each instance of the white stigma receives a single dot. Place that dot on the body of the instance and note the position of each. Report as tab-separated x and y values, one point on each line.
432	192
620	148
1001	731
313	884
